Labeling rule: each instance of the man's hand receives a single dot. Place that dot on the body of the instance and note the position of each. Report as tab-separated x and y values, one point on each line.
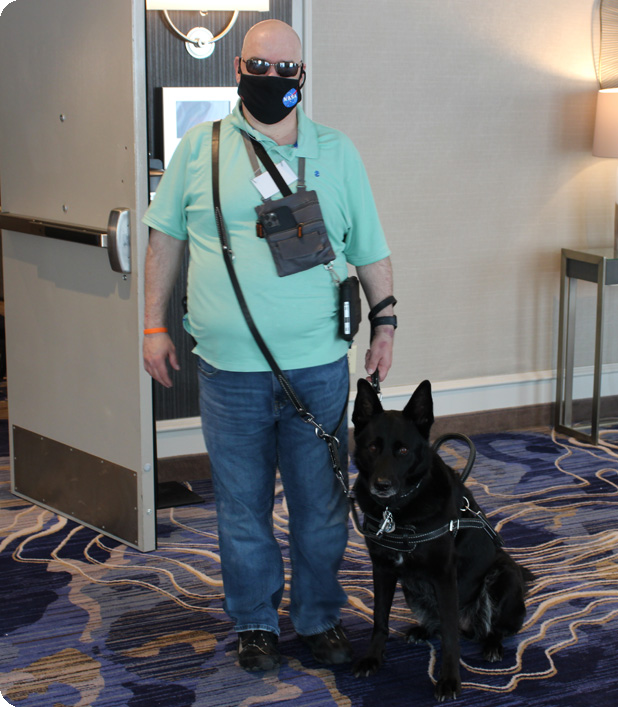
163	261
377	281
158	349
380	353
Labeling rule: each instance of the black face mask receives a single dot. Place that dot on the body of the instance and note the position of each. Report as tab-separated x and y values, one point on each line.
269	99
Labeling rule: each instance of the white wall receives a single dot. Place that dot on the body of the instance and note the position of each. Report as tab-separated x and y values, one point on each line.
475	122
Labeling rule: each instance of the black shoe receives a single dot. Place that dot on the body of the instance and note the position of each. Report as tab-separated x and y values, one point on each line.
331	647
257	650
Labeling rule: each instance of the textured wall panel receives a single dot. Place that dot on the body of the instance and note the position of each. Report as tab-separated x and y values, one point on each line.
475	121
169	64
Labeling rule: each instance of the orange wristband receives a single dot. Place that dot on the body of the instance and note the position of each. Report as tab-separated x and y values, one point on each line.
156	330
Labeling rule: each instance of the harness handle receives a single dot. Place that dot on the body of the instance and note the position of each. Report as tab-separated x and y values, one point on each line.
462	438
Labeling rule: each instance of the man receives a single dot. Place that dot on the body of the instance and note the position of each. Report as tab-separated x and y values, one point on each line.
250	427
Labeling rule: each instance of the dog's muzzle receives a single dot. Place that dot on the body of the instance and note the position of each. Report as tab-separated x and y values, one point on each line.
383	488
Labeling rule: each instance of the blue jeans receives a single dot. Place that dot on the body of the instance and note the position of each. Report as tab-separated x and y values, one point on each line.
251	429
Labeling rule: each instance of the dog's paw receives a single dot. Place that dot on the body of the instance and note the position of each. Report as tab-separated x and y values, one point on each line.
493	650
417	634
367	666
448	689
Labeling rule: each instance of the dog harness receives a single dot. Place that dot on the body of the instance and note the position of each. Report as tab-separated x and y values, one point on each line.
404	538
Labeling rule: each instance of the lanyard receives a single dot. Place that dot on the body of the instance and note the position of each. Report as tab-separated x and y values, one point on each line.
256	150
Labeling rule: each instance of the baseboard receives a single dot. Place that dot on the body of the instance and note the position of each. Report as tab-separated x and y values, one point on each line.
181	437
489	404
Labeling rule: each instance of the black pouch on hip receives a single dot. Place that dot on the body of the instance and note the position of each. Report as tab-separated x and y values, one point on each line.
349	308
295	232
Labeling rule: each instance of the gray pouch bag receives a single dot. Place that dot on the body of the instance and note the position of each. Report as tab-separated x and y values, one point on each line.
295	232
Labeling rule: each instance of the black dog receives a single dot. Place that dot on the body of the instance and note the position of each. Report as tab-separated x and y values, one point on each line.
424	528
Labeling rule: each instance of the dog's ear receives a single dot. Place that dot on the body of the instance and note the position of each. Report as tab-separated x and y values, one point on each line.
420	408
366	405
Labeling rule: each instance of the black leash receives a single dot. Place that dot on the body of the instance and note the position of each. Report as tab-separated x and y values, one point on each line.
228	256
383	531
376	321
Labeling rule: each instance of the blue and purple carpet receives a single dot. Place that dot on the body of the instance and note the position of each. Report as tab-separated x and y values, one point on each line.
88	622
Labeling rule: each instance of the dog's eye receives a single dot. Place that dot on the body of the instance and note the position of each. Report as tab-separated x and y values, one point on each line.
373	448
402	451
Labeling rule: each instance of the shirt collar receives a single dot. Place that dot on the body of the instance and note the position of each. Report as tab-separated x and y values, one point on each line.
306	142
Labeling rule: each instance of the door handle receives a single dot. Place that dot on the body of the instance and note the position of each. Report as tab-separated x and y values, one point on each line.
116	238
119	240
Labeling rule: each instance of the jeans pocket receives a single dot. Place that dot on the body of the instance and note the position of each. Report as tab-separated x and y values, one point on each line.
206	369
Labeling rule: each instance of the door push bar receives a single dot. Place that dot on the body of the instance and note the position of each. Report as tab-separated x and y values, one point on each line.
117	237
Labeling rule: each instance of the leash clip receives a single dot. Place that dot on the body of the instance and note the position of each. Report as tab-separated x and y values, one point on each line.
487	526
329	267
375	382
321	433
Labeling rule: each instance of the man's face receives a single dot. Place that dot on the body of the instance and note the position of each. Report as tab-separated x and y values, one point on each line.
271	45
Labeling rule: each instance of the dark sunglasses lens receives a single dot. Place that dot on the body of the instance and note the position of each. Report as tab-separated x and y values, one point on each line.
286	68
256	66
260	66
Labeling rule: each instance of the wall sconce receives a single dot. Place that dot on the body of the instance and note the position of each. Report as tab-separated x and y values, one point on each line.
200	42
606	137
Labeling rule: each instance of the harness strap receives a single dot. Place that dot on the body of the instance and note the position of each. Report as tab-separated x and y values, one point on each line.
228	256
405	538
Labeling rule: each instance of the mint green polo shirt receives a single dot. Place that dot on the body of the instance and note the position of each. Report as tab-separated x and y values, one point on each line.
297	315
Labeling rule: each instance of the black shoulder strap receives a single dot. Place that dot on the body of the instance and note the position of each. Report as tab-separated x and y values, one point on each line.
228	257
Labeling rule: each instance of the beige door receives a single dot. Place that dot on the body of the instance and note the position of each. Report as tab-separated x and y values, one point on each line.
72	149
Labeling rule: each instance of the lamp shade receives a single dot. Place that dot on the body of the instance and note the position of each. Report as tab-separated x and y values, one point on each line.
231	5
606	125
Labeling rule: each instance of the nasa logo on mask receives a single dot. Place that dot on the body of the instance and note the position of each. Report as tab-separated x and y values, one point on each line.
291	98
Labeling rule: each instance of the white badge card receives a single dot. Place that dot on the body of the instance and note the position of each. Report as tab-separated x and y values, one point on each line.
265	184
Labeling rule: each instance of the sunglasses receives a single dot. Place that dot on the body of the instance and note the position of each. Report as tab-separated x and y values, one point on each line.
259	67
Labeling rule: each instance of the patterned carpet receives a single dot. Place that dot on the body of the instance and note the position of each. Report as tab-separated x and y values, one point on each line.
85	621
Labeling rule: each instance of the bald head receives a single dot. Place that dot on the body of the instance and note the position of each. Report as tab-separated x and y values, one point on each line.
269	98
273	40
